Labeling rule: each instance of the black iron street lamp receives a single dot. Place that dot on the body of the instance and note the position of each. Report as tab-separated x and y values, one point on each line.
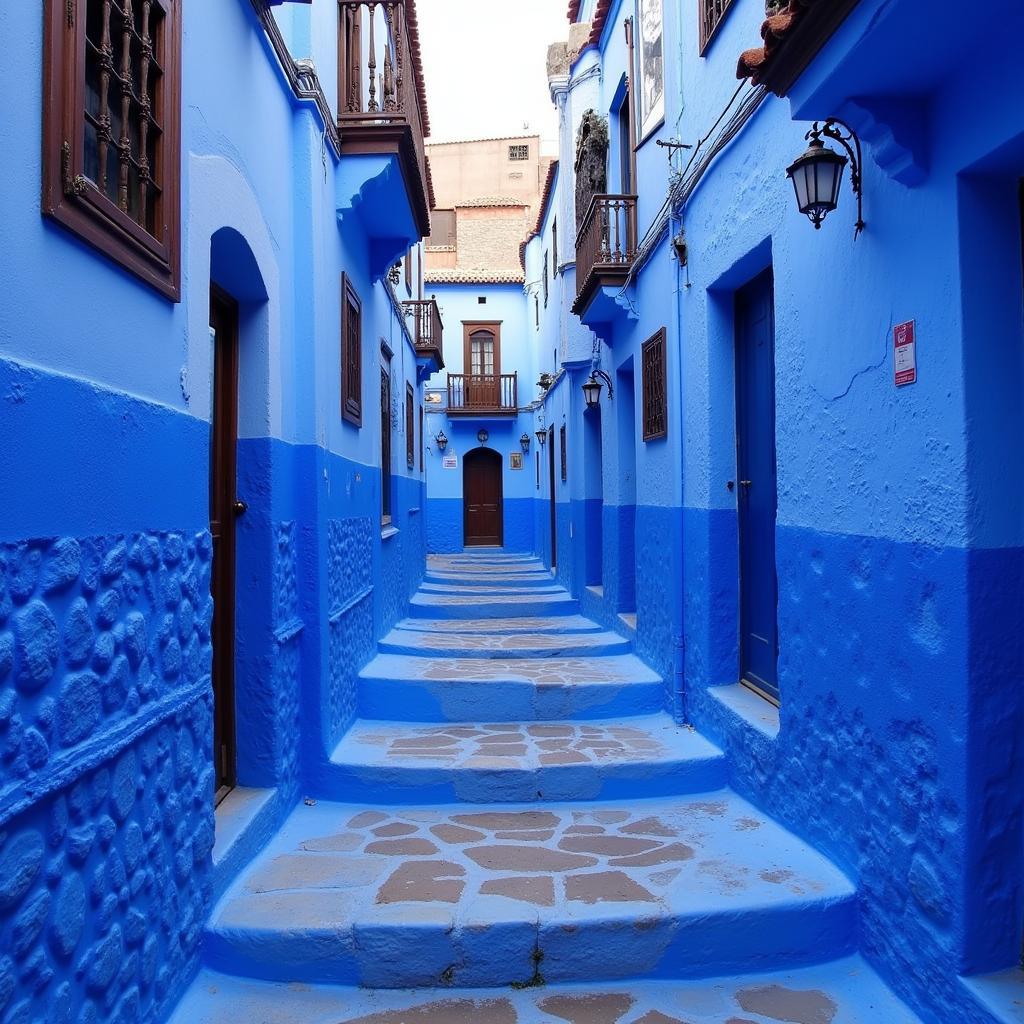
542	436
817	175
524	443
592	388
441	441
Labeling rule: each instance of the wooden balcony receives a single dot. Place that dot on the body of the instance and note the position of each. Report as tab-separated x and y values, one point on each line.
482	395
605	247
426	329
380	89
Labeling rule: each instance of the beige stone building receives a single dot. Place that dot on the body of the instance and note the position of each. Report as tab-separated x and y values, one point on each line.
487	194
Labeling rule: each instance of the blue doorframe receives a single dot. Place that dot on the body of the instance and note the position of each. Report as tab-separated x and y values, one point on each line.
757	497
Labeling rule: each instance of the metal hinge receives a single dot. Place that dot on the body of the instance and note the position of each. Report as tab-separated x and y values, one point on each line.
73	186
70	7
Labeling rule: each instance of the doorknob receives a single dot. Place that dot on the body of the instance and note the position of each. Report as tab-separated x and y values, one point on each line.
240	507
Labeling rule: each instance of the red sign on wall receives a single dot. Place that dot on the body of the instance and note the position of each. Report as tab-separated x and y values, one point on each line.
905	353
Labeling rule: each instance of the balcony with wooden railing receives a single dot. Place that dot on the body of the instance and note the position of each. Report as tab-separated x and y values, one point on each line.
427	330
605	247
382	105
483	394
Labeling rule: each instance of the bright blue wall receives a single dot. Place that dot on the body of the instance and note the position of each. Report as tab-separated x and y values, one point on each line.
106	804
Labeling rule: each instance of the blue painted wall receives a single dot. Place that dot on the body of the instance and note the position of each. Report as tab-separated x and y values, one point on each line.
110	851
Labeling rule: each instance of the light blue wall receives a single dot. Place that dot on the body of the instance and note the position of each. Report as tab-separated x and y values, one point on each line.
105	554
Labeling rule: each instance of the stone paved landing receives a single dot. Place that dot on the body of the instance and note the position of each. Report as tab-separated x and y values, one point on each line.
523	762
504	626
497	645
399	897
844	992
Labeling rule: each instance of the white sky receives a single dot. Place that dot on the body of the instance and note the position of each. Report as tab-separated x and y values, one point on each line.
485	67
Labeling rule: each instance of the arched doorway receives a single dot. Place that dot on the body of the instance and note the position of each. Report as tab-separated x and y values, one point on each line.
482	517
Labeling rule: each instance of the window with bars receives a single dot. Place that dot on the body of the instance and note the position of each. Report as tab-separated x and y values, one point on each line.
385	442
654	393
519	152
711	14
351	353
545	280
554	248
112	129
561	446
410	427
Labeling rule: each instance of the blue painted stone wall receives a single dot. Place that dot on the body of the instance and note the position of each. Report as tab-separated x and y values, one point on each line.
107	827
899	556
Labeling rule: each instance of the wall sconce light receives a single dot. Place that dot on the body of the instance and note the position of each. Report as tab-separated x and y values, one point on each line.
482	436
441	441
524	443
592	388
542	436
818	174
395	274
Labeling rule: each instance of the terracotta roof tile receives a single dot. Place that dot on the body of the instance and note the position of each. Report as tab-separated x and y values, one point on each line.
780	28
492	201
477	276
574	9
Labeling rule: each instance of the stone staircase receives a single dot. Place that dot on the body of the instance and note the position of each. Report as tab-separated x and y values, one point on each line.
517	833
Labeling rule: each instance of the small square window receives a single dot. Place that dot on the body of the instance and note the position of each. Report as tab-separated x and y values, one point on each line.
711	14
519	152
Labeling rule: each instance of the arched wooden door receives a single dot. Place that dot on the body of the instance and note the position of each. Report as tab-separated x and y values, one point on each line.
482	498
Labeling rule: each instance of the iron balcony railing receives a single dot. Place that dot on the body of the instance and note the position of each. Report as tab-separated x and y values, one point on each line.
606	242
494	394
425	325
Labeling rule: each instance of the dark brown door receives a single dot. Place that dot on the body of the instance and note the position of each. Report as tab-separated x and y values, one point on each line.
224	507
481	489
551	492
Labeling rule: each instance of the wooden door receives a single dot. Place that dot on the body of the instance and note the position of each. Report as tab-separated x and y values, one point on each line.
757	495
482	498
224	508
551	494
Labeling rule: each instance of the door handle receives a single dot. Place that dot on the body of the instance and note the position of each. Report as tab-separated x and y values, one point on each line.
239	507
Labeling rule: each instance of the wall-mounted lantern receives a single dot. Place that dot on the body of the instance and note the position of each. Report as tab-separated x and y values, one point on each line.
592	388
524	443
680	249
542	436
482	436
441	441
817	175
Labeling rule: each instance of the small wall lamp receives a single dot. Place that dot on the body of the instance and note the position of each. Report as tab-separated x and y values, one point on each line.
818	174
592	388
482	436
524	443
441	441
542	436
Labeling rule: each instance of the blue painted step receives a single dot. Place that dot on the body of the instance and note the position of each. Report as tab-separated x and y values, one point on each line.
414	689
393	762
471	896
472	606
510	626
846	991
457	644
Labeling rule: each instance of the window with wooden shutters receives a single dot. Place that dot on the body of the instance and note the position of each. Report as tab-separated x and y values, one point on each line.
443	230
112	131
385	442
711	13
561	445
654	393
351	353
410	427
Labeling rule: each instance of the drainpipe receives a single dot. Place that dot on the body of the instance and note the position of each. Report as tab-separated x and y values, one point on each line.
680	709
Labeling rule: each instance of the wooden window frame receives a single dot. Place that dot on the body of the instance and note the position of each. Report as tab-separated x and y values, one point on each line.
351	355
554	249
562	449
708	34
73	200
544	279
410	427
408	271
655	406
469	328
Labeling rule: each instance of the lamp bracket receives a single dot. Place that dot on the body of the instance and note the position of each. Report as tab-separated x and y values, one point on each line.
601	375
841	132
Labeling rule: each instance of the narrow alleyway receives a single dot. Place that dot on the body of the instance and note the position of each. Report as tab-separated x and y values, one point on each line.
516	814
